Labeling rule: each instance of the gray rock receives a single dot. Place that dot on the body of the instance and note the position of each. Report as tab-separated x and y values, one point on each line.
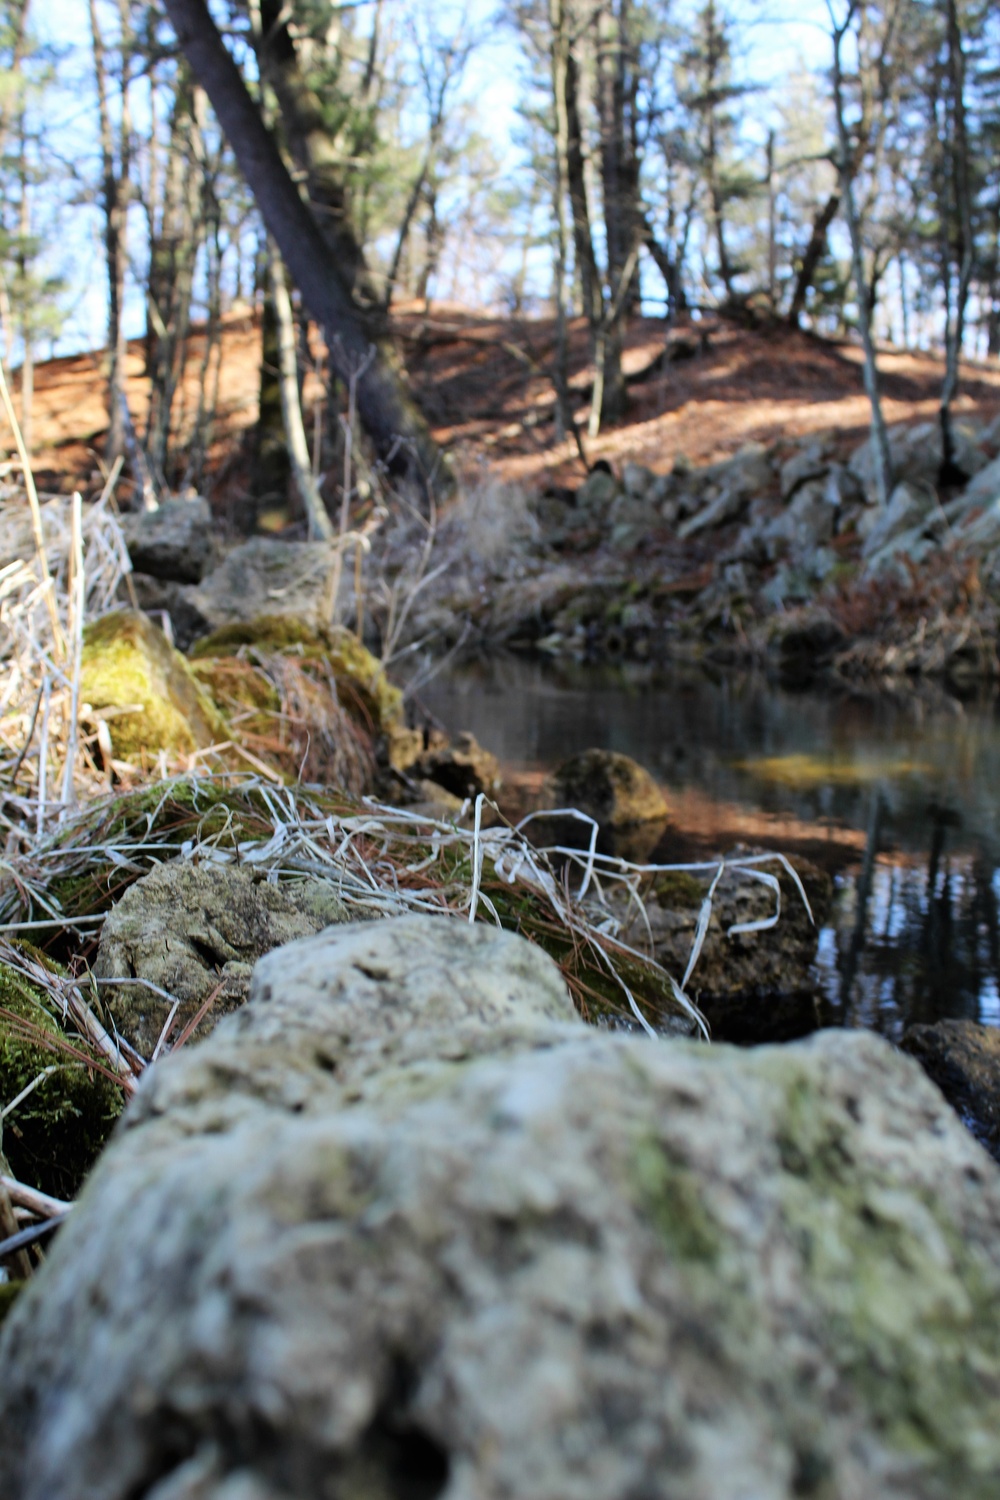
978	530
597	492
916	454
963	1059
747	473
842	487
796	581
266	577
174	542
910	506
984	489
631	519
808	463
403	1227
193	928
807	522
910	546
637	480
726	489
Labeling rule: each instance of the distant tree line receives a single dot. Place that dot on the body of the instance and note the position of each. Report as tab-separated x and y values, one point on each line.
325	159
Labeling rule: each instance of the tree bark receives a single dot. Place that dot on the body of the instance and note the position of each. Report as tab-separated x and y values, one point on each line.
845	164
114	193
814	254
560	372
317	519
389	416
955	328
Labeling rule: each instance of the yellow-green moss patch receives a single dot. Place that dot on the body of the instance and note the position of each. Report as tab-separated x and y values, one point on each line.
132	676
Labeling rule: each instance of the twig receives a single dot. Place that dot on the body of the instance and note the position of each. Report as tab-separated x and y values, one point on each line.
39	1203
17	1244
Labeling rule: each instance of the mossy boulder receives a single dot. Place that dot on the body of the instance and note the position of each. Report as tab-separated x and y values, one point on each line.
360	676
131	676
610	787
52	1138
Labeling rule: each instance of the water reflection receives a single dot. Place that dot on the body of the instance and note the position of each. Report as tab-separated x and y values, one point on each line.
897	797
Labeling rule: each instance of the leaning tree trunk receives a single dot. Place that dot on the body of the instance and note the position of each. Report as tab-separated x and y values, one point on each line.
387	413
814	254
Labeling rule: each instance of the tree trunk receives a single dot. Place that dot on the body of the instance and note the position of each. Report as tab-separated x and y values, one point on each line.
583	239
27	321
814	252
560	372
390	418
879	435
114	194
173	252
318	521
271	465
955	328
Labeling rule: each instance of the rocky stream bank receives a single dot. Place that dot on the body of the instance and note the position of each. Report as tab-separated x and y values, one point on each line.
381	1215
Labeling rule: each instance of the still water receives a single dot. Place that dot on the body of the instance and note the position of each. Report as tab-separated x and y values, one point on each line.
898	798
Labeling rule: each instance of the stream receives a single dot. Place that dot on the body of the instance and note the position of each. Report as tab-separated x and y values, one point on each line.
897	797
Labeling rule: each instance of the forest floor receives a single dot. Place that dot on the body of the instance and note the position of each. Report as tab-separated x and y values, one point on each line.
485	385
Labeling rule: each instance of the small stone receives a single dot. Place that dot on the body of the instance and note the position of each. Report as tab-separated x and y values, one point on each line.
637	480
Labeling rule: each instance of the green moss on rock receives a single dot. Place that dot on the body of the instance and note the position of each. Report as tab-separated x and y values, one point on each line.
9	1291
152	701
905	1298
357	671
53	1137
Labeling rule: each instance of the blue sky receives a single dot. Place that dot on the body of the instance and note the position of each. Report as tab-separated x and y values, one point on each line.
774	39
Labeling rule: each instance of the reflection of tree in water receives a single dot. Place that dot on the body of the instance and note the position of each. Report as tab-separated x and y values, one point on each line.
917	942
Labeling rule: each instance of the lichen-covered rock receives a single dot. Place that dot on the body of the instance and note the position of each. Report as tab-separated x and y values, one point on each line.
607	786
52	1137
963	1059
402	1227
133	677
191	929
174	542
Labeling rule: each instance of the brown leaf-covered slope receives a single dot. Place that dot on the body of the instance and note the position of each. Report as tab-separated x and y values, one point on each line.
485	383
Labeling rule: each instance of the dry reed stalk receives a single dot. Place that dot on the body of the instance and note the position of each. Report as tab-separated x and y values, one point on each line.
36	516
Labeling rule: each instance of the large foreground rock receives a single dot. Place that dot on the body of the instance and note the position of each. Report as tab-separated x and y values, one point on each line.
402	1227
